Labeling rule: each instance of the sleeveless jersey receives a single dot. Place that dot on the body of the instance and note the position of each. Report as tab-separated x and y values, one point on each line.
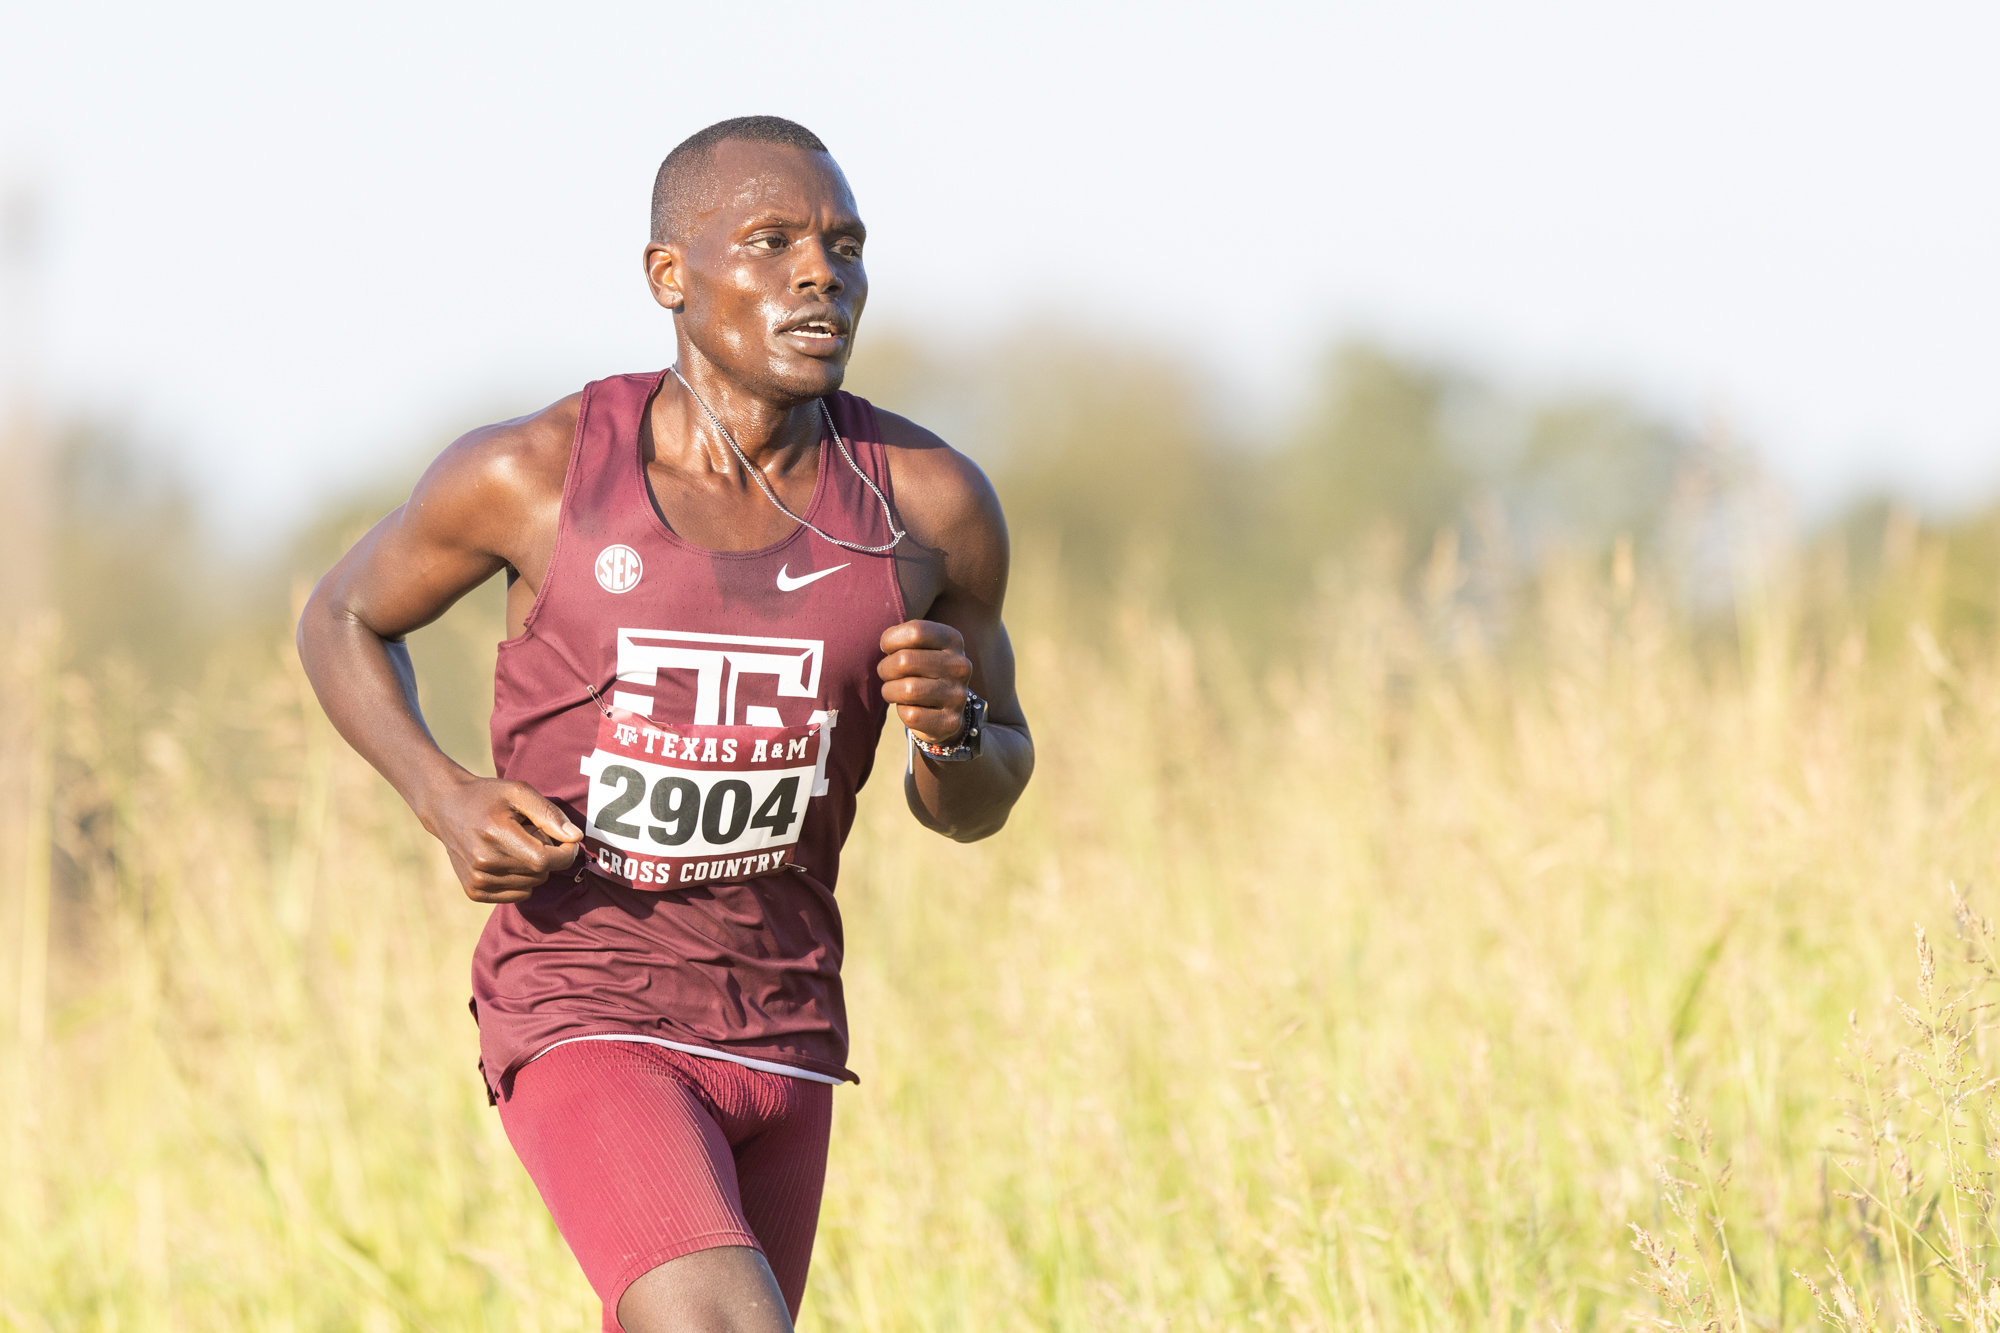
706	717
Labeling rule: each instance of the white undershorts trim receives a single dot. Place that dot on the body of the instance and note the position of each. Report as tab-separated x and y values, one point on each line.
706	1052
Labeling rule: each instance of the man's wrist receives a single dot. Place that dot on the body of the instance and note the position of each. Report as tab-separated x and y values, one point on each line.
429	793
965	745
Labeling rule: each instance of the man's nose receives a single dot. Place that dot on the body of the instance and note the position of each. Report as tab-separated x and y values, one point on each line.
814	271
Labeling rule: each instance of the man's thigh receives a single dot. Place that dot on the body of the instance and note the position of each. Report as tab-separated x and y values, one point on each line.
632	1165
781	1173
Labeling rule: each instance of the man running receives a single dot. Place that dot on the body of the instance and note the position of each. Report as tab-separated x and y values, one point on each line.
720	579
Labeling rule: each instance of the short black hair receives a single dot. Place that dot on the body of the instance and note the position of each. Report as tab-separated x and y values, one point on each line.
680	188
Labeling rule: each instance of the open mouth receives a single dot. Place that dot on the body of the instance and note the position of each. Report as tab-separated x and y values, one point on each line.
816	332
819	330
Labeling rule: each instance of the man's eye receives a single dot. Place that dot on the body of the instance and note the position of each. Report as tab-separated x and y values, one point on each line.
767	242
849	249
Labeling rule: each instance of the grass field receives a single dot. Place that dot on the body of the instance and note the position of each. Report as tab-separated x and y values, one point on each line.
1380	985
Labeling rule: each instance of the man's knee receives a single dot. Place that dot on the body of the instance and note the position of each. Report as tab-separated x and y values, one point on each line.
729	1289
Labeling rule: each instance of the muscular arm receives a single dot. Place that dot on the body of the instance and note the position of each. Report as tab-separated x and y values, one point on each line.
959	640
480	508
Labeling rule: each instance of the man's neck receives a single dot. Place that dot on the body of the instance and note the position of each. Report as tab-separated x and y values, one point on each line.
772	436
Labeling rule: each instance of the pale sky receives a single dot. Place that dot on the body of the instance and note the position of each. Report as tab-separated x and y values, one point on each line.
295	244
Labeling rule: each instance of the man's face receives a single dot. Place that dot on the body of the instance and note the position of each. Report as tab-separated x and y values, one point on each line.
769	277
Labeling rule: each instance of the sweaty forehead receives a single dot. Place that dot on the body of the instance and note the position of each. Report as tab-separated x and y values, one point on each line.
745	177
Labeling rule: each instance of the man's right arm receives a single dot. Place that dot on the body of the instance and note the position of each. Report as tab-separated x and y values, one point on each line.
489	502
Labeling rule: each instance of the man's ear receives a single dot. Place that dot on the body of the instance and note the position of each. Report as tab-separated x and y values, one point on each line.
663	274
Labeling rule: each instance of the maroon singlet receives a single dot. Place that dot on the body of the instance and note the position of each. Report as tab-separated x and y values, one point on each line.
729	686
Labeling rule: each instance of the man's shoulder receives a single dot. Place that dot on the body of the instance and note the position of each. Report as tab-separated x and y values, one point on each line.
933	478
536	441
527	453
493	482
948	506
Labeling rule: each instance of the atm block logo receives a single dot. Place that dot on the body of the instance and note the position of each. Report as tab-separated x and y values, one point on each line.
725	667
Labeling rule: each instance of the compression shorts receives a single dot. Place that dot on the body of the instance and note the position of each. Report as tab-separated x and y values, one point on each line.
644	1154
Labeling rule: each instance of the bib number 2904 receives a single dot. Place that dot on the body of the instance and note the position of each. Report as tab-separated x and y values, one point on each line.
680	806
696	805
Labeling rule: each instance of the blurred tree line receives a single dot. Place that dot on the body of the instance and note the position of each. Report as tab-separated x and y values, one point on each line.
1119	461
1118	468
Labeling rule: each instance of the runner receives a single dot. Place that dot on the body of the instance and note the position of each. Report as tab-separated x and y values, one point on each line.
721	578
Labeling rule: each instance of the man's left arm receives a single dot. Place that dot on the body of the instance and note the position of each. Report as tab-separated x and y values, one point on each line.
960	644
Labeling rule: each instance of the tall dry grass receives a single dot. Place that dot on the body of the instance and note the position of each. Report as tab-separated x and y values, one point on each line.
1385	986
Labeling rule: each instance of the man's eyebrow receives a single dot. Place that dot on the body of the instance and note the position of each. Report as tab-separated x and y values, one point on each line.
851	225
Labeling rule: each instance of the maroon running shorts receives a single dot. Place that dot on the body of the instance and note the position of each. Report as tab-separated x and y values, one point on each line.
644	1154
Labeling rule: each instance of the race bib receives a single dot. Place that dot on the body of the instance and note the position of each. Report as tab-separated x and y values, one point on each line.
672	807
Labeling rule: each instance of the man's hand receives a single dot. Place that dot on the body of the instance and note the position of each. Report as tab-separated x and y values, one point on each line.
927	675
504	838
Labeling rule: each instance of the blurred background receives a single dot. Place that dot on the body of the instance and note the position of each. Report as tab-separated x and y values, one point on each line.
1520	484
1243	288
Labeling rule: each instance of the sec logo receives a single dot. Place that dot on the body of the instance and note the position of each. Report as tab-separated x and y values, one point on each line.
618	569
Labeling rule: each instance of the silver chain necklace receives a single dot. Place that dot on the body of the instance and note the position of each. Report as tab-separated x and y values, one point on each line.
896	533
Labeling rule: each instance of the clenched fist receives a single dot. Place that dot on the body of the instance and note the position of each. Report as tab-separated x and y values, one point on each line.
926	675
504	838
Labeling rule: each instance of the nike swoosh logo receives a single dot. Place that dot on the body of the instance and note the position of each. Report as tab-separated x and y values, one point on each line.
786	583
